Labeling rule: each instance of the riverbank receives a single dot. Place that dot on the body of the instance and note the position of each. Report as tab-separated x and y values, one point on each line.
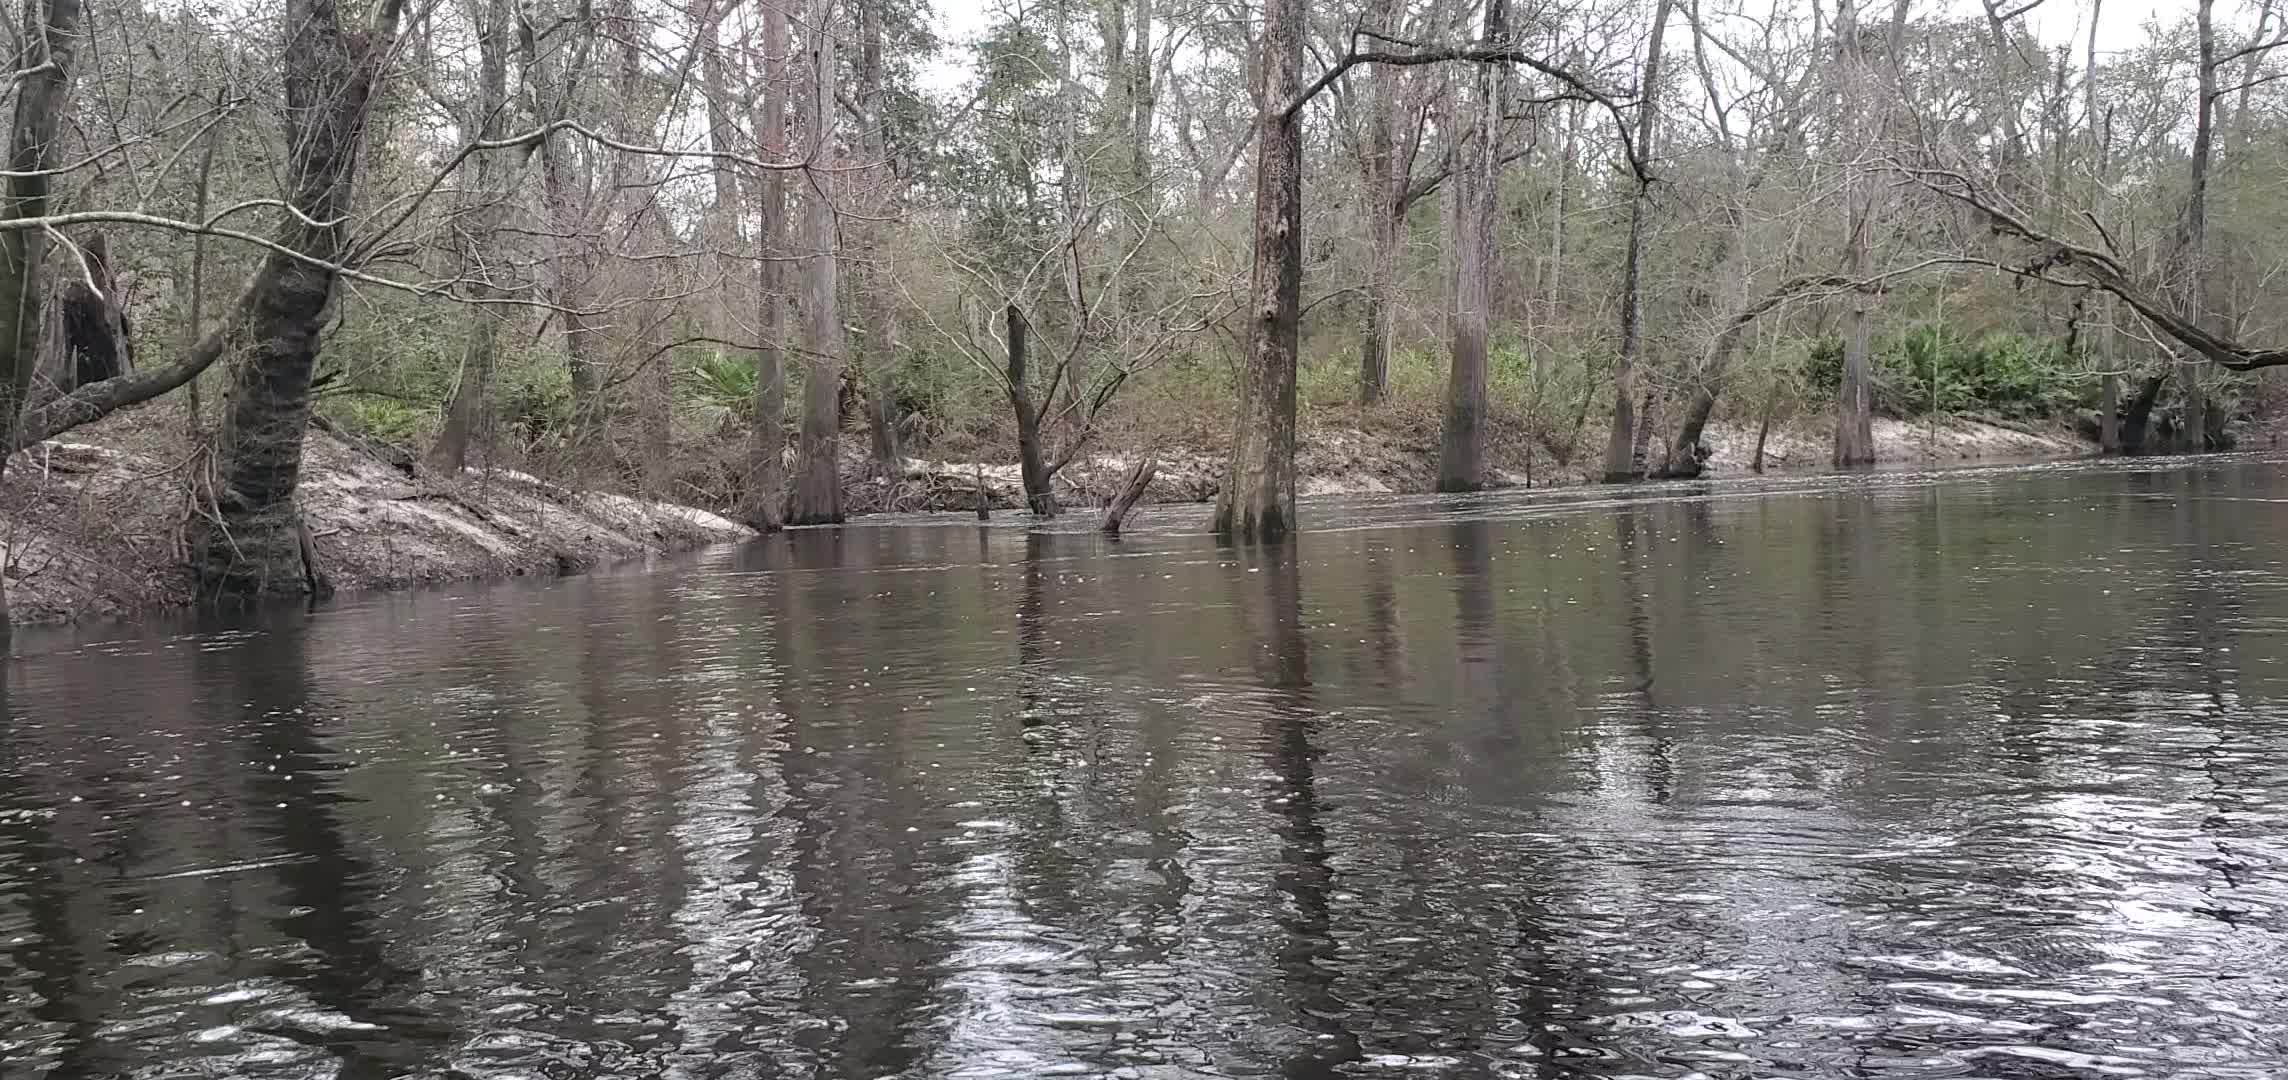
1387	452
94	525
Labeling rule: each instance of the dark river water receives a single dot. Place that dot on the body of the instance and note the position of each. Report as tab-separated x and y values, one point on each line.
1970	774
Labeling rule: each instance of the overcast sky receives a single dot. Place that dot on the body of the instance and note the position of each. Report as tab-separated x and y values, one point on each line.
2122	26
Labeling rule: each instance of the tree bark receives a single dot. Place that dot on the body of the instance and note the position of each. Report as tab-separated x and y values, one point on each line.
2191	255
817	495
880	352
1764	429
252	547
766	466
54	25
1383	178
468	417
1257	500
194	322
1462	449
1855	397
1132	489
551	87
2137	420
1374	320
1040	494
2109	412
1620	445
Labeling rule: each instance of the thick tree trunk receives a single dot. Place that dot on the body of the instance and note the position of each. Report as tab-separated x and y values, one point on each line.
252	547
1040	494
2137	420
468	417
1648	418
1687	458
1462	451
1620	445
1132	489
1855	396
817	495
1257	501
51	30
766	466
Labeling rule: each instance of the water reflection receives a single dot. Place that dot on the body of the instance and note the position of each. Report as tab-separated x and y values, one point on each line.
1878	776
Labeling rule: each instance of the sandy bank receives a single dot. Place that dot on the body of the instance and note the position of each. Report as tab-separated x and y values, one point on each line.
1379	456
95	529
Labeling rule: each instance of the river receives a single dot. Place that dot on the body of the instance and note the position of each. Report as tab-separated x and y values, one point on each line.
1977	773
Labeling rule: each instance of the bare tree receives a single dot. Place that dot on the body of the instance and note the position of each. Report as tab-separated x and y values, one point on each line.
1462	450
477	234
252	542
52	29
817	495
1257	500
766	471
1620	445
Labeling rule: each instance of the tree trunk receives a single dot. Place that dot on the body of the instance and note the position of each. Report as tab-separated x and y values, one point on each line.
468	417
1462	450
2137	421
1141	104
2192	269
1648	418
2109	414
253	547
40	104
1764	429
551	86
1374	329
880	362
1386	217
1855	400
1132	489
1855	397
817	496
766	467
1687	458
1040	495
1620	447
194	323
1257	500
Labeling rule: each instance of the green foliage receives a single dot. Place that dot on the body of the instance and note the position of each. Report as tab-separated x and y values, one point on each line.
720	380
532	394
403	423
1929	367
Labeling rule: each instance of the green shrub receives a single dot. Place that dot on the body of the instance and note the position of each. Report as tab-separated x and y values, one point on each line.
1927	367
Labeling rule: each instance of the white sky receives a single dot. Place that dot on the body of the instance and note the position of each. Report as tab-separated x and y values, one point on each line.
2121	26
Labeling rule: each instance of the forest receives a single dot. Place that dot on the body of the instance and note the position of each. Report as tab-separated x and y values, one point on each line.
749	254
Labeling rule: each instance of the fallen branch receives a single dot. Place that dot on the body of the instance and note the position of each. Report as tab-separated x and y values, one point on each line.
2098	269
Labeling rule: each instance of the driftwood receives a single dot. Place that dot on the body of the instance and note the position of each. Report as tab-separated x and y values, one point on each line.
1132	489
